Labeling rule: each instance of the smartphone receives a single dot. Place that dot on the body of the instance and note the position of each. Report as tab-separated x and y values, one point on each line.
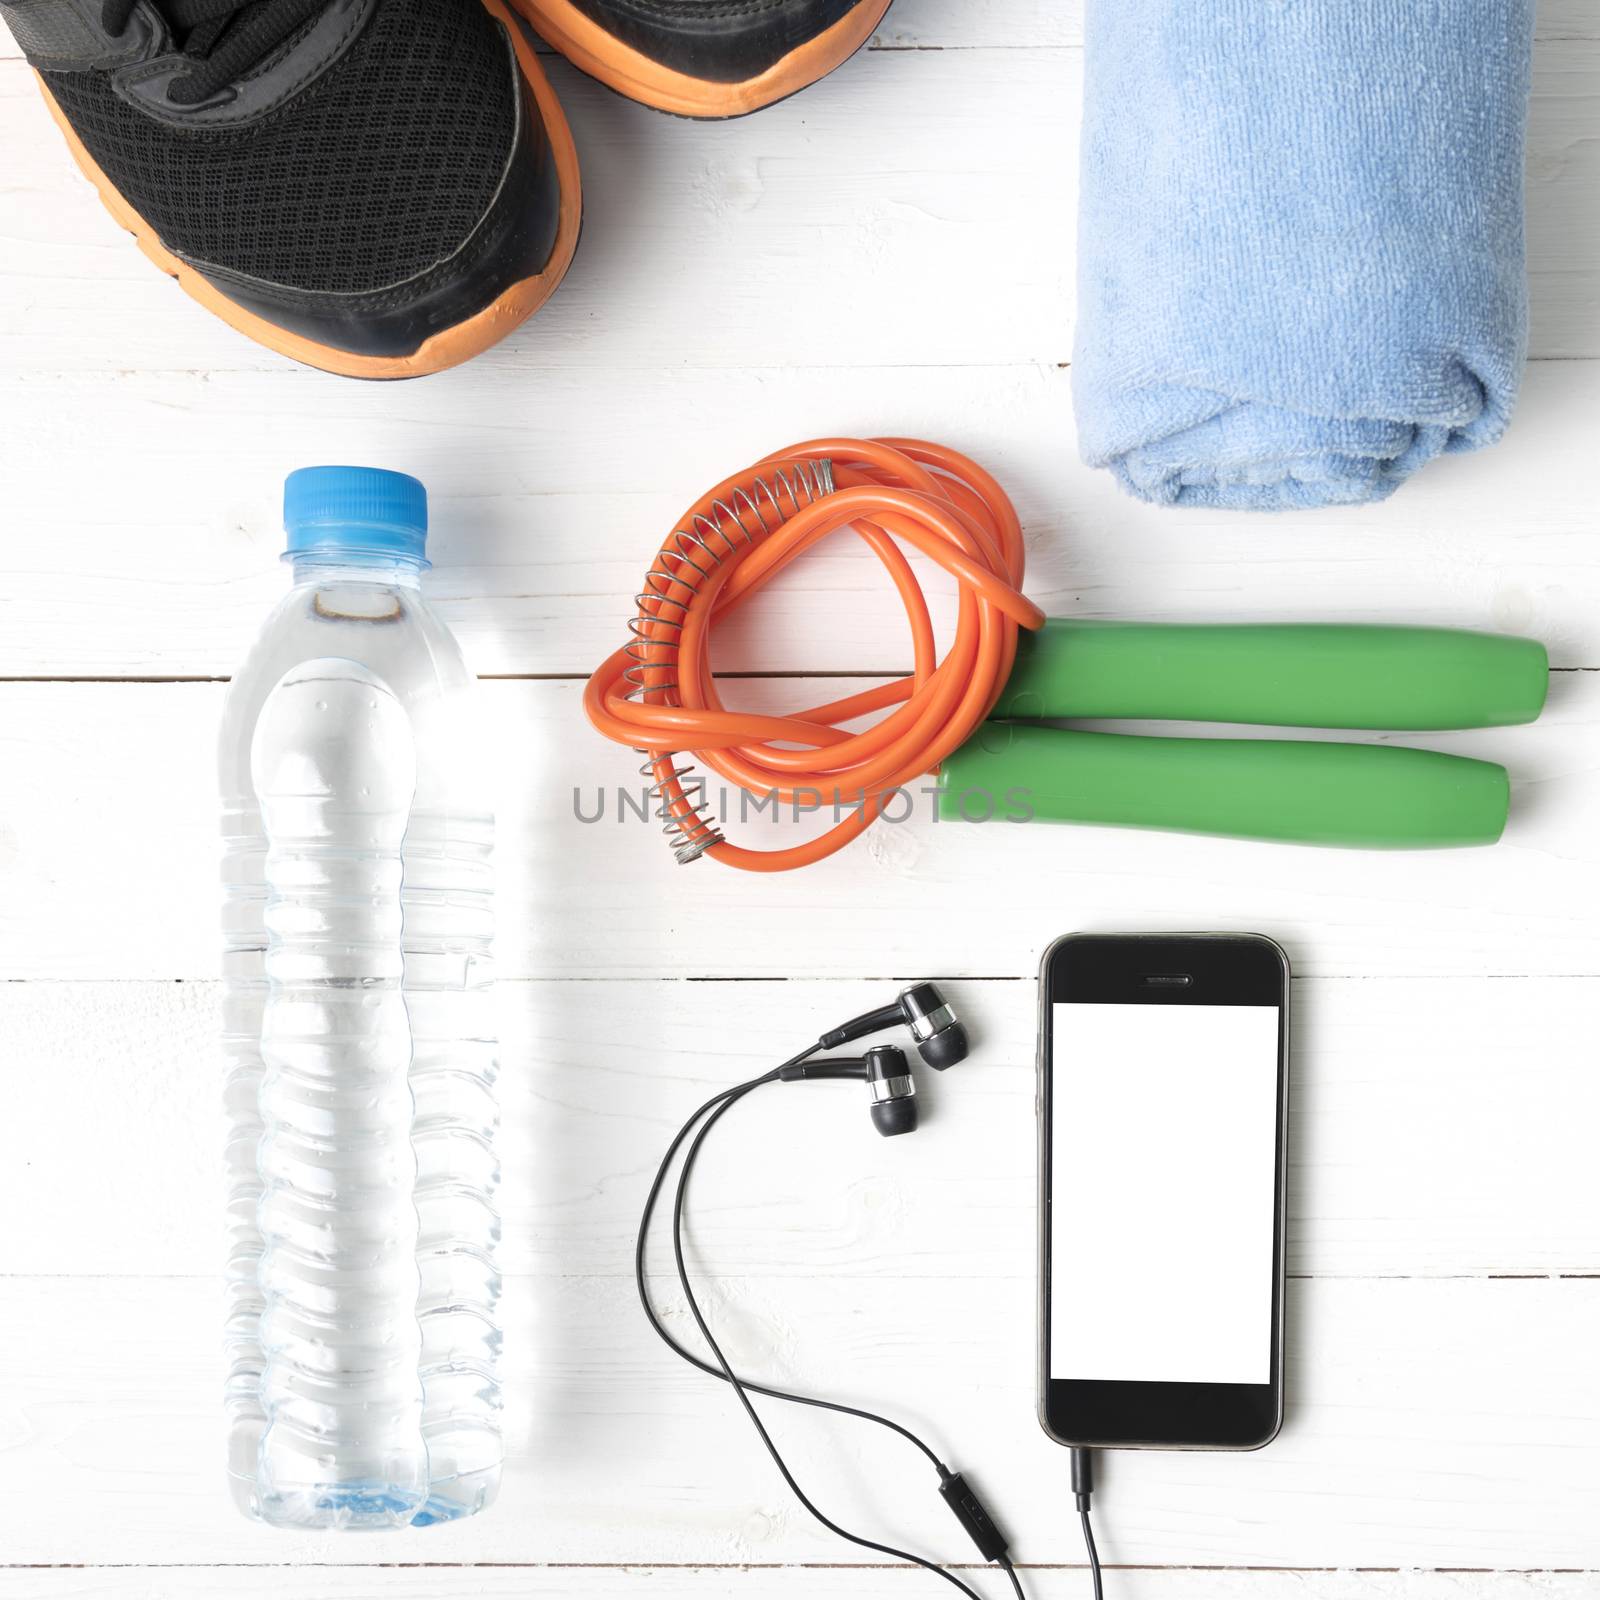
1163	1105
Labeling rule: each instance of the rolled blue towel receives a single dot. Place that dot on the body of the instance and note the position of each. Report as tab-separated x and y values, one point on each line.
1300	244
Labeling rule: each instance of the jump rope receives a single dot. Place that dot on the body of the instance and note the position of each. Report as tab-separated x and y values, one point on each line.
982	717
979	717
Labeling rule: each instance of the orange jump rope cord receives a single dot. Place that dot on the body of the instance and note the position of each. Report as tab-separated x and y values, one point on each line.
657	694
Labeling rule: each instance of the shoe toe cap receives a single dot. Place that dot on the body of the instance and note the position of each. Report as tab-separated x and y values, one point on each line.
720	43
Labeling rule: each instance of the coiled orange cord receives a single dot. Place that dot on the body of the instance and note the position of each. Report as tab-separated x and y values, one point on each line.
658	694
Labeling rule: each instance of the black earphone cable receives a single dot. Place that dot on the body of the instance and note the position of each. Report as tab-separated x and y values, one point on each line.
688	1355
711	1113
742	1390
1094	1555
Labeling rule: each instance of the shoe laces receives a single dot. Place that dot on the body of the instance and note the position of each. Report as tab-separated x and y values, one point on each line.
224	38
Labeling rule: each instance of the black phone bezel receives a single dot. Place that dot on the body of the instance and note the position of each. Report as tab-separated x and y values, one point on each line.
1222	969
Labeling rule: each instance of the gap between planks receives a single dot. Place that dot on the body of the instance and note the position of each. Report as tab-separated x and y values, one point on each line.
535	677
743	1566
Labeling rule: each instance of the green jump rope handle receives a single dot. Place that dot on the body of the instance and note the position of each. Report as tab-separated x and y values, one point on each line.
1301	790
1293	675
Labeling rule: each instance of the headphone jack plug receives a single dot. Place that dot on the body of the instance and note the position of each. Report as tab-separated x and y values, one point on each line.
1082	1493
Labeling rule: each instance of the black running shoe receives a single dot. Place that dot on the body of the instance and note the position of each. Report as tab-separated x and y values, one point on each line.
706	58
380	188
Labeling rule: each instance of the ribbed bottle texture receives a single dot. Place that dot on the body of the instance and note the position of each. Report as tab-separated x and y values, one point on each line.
362	1381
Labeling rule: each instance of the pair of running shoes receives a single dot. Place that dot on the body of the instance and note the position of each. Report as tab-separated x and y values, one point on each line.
383	188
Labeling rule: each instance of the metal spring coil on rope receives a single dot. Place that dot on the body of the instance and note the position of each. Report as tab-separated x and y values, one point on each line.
751	512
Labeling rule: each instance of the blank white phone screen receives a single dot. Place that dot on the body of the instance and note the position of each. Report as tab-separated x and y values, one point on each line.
1164	1124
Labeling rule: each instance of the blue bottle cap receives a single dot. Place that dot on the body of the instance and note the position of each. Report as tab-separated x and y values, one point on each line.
359	510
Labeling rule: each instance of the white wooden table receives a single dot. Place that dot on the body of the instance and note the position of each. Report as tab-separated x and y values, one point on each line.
892	251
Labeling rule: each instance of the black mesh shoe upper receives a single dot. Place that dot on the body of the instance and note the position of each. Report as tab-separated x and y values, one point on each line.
723	41
378	170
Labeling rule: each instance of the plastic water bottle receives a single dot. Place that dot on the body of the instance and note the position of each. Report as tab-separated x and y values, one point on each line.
361	1335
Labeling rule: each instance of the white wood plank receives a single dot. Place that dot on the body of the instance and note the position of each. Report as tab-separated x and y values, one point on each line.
1047	24
1031	24
904	180
1567	19
779	1583
1563	265
163	561
1434	1423
1034	24
972	24
937	188
965	24
107	866
1439	1127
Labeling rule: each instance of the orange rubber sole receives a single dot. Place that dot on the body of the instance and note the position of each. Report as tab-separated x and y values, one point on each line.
592	50
447	348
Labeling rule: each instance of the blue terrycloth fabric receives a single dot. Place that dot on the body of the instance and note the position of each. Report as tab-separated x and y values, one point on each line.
1300	251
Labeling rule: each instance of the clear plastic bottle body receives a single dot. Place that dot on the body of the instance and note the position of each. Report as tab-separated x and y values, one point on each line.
361	1334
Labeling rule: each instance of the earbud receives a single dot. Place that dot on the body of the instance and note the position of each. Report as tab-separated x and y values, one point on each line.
894	1091
941	1040
887	1075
